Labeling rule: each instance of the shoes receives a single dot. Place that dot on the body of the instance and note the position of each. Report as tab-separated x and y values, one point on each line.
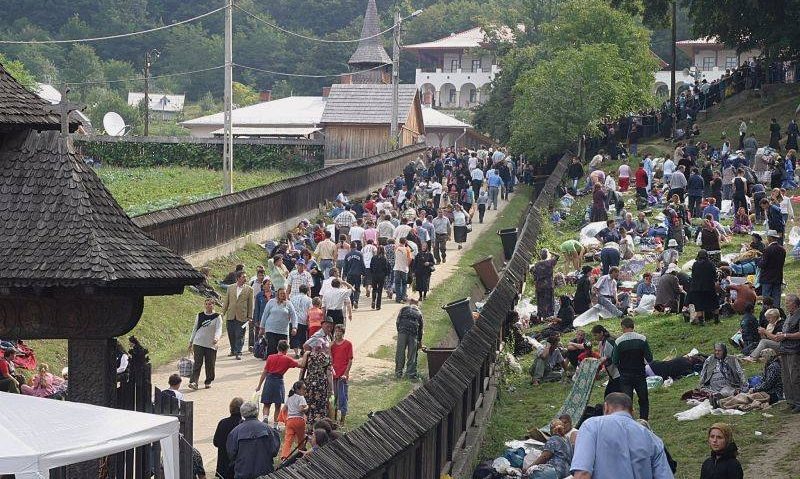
208	386
231	354
193	386
796	410
238	357
459	246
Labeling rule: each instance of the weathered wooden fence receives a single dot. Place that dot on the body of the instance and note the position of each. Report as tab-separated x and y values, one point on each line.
421	435
191	228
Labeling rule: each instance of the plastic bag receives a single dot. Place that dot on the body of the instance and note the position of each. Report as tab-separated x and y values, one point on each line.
794	235
647	304
654	382
501	465
185	367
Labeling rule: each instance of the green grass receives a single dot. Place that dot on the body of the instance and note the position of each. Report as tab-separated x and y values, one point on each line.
166	321
141	190
385	392
521	406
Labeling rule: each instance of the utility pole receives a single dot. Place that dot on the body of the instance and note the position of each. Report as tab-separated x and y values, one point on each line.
227	141
148	58
395	78
673	109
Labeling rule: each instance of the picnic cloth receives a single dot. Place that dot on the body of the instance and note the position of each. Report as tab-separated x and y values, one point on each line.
578	397
591	315
704	409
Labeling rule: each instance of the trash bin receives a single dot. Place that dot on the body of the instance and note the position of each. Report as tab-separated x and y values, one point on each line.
508	237
460	315
436	358
487	272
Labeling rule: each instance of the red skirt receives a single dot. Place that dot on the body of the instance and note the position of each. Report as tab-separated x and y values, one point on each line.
624	183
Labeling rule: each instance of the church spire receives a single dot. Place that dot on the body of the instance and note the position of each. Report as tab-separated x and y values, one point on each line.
370	52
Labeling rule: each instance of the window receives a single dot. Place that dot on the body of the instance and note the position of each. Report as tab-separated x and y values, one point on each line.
476	65
452	98
731	63
455	64
709	63
473	96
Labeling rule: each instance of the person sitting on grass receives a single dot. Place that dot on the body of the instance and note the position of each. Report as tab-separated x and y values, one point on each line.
771	382
722	375
556	456
768	334
549	364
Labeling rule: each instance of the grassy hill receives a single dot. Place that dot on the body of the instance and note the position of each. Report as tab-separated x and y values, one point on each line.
756	107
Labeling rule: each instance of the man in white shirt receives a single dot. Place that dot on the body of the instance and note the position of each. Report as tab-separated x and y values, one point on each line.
336	301
596	161
402	260
607	296
477	180
436	192
298	277
742	132
385	229
402	230
669	169
357	233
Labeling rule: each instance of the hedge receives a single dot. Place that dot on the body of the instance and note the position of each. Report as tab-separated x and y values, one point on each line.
198	155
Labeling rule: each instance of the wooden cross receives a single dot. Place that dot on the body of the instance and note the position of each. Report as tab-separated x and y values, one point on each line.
63	108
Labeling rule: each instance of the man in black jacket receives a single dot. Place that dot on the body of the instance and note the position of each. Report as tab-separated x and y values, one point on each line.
771	268
630	355
409	339
224	428
575	172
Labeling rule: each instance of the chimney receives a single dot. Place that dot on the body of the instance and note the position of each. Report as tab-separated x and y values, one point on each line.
265	95
326	90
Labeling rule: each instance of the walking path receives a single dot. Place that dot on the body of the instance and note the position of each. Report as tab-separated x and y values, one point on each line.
368	331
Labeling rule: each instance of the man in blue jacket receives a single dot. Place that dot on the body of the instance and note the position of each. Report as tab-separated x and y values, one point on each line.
252	445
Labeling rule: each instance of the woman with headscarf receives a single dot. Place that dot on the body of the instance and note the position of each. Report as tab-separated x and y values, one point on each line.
582	300
722	375
771	382
703	289
775	135
792	131
543	273
277	272
556	456
709	236
423	267
723	463
599	212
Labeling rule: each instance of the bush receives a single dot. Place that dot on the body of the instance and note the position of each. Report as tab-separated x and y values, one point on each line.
196	155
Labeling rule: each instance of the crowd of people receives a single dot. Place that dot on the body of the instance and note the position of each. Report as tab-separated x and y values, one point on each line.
642	217
295	311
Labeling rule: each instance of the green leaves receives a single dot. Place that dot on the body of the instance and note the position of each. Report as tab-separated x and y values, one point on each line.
593	62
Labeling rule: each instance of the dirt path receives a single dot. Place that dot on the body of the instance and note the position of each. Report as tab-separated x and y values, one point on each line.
368	331
783	448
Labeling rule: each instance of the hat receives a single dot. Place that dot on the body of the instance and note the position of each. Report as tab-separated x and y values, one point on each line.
300	261
773	234
327	319
672	242
673	268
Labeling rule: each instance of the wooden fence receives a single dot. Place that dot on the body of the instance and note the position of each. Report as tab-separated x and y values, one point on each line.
191	228
422	435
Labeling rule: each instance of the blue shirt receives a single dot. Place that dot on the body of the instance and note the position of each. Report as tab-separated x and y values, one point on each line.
616	446
713	211
277	317
495	181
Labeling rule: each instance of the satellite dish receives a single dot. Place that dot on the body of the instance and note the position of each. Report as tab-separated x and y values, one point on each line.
114	124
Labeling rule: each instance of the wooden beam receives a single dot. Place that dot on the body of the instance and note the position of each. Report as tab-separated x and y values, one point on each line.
195	140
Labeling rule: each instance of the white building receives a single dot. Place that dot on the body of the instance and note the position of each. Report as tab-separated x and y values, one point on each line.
162	107
455	71
710	60
292	116
443	130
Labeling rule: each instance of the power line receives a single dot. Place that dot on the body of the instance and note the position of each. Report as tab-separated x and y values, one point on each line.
110	37
95	82
301	75
314	39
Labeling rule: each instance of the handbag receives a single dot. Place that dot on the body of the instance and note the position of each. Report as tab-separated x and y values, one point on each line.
185	367
469	227
260	348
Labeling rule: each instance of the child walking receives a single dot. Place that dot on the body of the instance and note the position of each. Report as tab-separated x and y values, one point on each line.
296	408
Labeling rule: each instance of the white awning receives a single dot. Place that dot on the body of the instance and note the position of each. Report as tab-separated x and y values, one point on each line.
41	434
268	131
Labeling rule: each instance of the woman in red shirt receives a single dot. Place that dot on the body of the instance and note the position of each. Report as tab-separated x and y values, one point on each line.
272	378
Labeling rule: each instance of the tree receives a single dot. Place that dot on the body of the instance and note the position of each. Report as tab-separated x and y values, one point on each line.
766	25
100	101
82	65
566	96
586	22
17	70
243	95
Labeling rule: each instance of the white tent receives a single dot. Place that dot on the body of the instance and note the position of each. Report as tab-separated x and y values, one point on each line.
38	434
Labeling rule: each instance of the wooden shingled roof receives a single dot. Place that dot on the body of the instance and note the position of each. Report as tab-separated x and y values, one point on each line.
20	108
60	227
367	104
370	50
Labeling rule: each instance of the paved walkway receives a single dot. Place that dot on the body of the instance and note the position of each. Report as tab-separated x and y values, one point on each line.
368	331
